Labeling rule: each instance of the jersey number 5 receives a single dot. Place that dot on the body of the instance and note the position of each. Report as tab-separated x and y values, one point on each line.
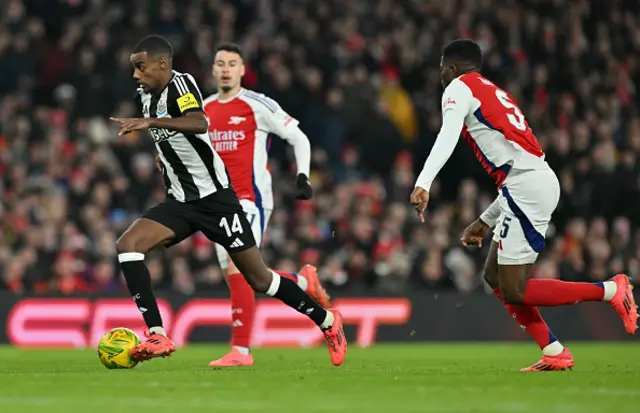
236	227
516	118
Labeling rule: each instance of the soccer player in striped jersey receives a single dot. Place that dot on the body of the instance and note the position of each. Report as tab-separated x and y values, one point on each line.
240	122
528	192
200	197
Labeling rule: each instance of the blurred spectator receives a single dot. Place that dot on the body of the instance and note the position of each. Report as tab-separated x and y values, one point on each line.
363	79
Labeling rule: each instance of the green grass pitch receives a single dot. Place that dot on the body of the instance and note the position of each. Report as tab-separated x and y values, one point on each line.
442	378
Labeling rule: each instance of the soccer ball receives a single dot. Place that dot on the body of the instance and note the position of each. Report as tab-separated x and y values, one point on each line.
114	349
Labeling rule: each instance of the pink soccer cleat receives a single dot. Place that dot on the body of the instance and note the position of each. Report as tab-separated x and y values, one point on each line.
156	345
315	289
336	340
232	359
563	361
624	303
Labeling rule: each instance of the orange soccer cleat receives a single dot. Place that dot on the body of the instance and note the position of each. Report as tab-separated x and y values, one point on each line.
624	303
232	359
156	345
336	340
563	361
315	289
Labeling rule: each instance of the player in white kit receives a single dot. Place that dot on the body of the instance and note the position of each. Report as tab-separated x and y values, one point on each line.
528	193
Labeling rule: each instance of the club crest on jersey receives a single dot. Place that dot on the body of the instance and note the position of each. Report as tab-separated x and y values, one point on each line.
236	120
162	107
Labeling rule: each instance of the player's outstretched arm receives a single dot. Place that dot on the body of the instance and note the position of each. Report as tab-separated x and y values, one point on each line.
443	147
190	123
456	103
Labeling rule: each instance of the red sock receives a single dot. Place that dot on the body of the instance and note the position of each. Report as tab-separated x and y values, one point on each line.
550	293
531	319
243	306
290	275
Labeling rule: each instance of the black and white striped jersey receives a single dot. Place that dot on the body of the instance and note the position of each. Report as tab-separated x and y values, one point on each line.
192	169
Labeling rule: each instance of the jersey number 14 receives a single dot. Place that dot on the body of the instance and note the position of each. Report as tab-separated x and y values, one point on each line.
516	118
236	226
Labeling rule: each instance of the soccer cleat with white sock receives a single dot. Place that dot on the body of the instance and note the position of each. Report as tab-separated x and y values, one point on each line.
624	303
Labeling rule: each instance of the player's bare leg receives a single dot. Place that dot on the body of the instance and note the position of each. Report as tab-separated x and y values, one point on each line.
529	318
140	238
243	309
261	279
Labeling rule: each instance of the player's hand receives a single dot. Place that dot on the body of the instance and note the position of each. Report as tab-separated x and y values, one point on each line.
474	233
304	190
420	200
128	125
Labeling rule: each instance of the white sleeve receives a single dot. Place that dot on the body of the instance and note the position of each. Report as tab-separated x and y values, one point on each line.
491	215
279	122
456	104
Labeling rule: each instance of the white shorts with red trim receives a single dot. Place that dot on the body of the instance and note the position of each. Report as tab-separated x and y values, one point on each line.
527	200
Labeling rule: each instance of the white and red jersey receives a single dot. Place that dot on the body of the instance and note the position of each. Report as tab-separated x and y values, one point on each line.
239	129
491	123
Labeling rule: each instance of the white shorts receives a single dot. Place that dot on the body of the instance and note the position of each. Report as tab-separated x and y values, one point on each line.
527	200
258	218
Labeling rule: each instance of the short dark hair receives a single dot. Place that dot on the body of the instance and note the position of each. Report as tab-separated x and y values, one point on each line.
464	50
230	47
154	45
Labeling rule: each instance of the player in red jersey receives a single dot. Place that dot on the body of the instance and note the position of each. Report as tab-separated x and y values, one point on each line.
528	193
240	122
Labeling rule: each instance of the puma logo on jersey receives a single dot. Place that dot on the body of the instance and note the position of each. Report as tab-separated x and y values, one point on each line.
236	120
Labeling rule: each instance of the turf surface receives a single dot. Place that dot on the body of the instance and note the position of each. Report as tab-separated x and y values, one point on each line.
438	378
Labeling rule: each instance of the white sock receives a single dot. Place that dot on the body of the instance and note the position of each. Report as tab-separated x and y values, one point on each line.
243	350
553	349
130	257
328	321
302	283
275	284
158	330
610	289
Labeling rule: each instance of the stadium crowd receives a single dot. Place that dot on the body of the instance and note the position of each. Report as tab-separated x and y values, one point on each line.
363	79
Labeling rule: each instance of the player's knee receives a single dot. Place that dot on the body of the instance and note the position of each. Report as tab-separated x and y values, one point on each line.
258	284
511	295
127	244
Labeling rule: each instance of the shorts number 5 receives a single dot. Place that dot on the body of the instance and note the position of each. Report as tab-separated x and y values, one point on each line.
505	227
